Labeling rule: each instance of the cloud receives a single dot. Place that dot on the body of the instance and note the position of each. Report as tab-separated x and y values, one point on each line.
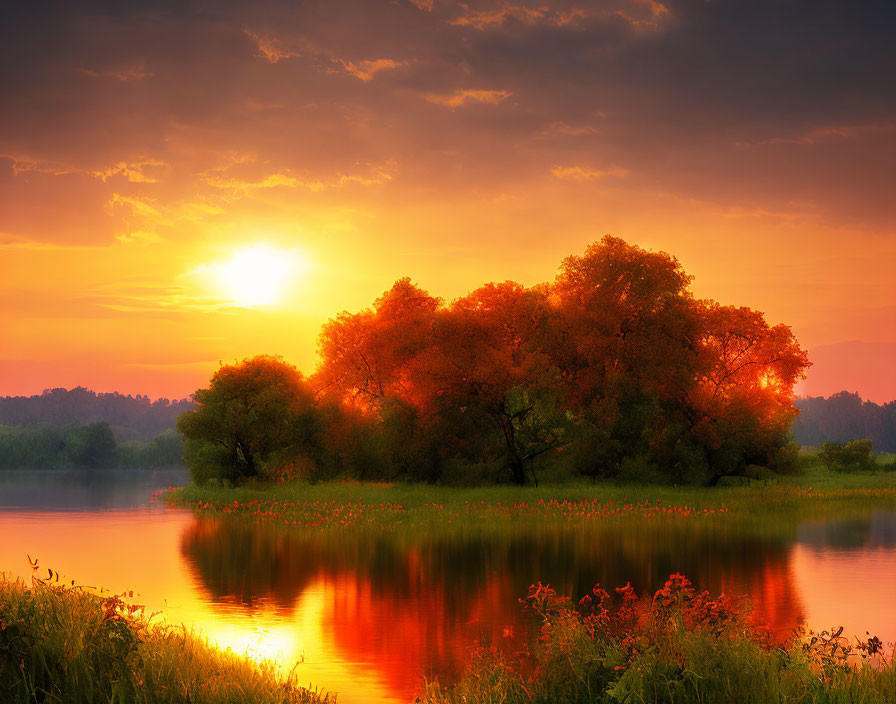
123	75
463	97
580	174
25	164
8	242
374	174
275	180
641	15
821	134
366	70
133	171
138	237
561	128
482	19
269	48
139	219
155	297
137	205
638	19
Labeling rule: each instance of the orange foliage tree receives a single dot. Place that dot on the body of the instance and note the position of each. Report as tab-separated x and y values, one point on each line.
612	370
488	373
365	356
740	404
625	339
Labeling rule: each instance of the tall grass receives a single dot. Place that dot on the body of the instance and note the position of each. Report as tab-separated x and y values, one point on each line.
60	644
681	647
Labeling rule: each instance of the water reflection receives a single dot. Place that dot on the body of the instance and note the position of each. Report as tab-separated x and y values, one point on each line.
847	573
84	489
373	613
874	529
416	605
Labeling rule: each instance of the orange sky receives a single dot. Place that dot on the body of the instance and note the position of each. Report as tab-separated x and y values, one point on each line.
143	143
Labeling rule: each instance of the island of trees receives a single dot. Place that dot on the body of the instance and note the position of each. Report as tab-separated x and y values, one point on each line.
613	370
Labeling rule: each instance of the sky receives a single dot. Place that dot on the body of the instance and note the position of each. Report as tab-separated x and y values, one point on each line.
189	183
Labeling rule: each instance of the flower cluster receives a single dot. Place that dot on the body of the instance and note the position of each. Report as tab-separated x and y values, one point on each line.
308	514
332	513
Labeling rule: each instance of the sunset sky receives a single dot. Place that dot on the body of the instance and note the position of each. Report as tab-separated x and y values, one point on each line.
183	183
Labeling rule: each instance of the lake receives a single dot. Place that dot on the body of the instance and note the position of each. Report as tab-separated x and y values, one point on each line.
371	614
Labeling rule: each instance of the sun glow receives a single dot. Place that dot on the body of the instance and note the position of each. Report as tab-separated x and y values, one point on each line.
257	275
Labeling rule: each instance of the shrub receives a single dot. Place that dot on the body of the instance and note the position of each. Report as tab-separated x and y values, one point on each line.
681	646
854	456
253	416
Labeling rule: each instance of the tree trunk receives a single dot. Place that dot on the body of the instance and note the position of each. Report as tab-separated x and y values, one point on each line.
519	471
245	462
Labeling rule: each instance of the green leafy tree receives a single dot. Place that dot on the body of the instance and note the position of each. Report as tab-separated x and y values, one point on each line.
257	417
92	446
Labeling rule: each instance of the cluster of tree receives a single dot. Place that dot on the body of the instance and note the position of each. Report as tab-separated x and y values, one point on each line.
844	417
854	456
144	417
91	446
614	370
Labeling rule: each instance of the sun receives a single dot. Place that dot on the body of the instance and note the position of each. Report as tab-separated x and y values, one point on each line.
256	276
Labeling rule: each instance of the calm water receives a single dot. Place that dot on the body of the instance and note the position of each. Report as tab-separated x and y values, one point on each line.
373	615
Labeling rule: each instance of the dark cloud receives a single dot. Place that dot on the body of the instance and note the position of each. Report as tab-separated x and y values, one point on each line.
709	99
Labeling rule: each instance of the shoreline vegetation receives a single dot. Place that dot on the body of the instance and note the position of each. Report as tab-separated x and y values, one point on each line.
62	644
681	646
815	492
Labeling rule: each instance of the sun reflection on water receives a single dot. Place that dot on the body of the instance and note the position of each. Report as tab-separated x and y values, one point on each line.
369	619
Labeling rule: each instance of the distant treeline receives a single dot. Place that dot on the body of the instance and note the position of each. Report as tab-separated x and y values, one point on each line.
91	446
143	417
843	417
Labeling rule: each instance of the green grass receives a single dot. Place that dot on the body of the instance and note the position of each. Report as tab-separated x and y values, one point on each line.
815	493
63	645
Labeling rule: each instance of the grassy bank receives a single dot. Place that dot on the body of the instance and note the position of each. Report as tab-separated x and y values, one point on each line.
60	644
816	492
682	646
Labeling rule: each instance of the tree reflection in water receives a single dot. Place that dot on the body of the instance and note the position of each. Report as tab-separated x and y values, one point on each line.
415	605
